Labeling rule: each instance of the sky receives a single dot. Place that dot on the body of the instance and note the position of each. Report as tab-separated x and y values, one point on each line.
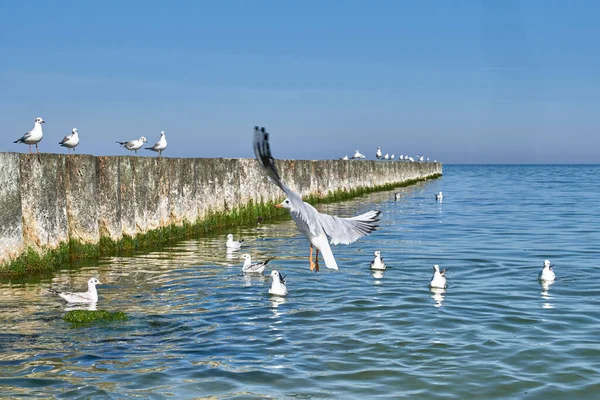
457	81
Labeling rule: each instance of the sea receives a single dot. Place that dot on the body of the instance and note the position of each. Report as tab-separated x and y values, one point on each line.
198	328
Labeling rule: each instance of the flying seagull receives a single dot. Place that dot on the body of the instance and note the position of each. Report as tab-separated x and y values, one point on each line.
314	225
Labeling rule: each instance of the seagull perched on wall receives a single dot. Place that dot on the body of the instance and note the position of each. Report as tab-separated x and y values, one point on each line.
70	141
357	155
34	136
91	296
378	153
386	157
133	145
344	158
160	145
314	225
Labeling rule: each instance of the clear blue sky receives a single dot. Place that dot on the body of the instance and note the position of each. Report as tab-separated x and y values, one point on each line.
459	81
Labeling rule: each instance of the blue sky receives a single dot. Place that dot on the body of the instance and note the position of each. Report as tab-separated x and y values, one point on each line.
459	81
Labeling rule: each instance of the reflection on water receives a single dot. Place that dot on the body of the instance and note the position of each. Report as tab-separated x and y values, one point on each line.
438	296
198	327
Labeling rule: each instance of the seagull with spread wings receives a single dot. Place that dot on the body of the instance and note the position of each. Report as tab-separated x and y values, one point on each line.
314	225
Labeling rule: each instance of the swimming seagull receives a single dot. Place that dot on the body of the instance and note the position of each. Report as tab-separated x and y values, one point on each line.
278	286
378	153
314	225
253	268
33	136
439	279
91	296
133	145
70	141
397	196
377	262
357	155
547	274
160	145
439	197
233	244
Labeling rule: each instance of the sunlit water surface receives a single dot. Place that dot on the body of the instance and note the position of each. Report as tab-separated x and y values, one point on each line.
199	328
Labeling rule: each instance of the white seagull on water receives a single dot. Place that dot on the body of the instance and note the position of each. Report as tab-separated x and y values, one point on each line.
377	262
547	274
33	136
357	155
70	141
314	225
438	280
91	296
278	286
133	145
233	244
439	197
160	145
253	268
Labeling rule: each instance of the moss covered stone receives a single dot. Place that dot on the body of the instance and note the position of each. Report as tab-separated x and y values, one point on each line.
87	316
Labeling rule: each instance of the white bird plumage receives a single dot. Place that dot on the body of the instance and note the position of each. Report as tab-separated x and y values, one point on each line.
439	197
314	225
253	268
377	262
439	279
70	141
278	284
547	274
34	136
160	145
378	153
344	158
358	155
91	296
233	244
133	145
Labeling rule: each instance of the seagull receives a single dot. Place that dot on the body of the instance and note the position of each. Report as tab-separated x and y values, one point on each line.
344	158
547	274
253	268
232	244
160	145
133	145
314	225
420	158
91	296
392	156
377	262
410	159
439	279
378	153
33	136
401	157
357	155
397	196
386	157
439	197
70	141
278	286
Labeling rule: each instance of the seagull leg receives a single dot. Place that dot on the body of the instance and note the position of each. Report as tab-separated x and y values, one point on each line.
312	264
30	149
36	149
317	261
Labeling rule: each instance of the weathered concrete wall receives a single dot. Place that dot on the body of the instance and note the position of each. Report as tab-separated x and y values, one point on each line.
49	199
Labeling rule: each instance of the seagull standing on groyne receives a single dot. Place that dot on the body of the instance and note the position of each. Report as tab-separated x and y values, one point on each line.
34	136
160	145
70	141
133	145
314	225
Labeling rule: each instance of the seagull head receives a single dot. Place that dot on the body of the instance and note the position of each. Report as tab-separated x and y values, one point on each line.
377	253
230	237
547	264
162	133
277	277
40	120
285	204
92	282
436	268
75	130
246	257
143	139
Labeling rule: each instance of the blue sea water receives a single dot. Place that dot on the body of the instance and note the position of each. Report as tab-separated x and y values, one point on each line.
198	328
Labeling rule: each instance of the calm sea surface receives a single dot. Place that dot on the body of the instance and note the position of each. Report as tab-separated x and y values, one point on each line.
198	328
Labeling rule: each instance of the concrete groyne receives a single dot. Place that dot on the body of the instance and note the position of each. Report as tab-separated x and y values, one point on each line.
49	200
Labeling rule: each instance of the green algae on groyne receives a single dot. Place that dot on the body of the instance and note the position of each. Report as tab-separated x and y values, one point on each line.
54	207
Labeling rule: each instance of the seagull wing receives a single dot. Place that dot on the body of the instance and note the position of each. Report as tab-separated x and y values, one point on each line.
348	230
262	151
65	139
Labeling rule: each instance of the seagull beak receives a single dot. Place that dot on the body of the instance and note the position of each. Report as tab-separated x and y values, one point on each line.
278	206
